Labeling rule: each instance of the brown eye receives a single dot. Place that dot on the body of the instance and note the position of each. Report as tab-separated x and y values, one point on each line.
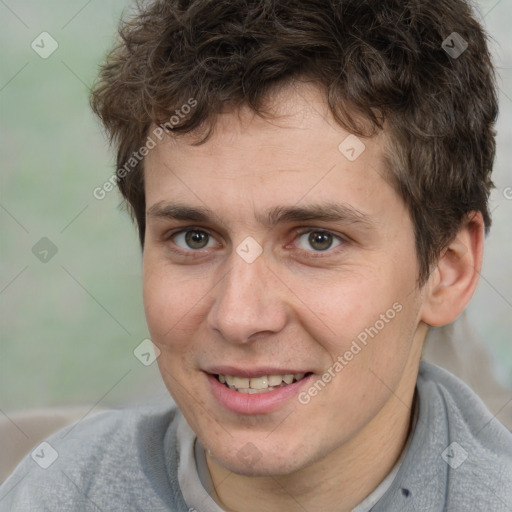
196	239
318	241
192	239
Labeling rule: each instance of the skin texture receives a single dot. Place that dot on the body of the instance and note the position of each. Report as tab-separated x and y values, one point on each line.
295	306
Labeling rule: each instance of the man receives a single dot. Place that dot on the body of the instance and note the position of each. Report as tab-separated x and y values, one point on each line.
310	183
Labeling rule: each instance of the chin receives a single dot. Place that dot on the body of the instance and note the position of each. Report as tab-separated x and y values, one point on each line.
268	461
263	468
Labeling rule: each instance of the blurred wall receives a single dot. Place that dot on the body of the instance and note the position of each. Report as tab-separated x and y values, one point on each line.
70	280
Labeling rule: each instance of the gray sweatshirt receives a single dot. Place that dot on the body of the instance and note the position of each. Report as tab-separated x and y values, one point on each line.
459	458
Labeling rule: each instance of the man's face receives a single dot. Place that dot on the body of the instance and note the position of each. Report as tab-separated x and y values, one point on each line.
325	289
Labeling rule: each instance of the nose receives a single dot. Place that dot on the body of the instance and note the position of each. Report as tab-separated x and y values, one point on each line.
249	302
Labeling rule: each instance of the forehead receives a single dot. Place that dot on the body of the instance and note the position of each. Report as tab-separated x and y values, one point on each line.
297	154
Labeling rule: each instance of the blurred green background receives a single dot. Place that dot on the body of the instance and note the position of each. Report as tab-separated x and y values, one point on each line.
69	325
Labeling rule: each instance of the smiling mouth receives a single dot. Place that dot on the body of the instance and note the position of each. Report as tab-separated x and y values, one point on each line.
263	384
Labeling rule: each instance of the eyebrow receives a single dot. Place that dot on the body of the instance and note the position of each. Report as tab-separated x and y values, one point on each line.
329	212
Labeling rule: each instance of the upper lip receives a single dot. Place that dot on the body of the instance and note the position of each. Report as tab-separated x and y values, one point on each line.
252	372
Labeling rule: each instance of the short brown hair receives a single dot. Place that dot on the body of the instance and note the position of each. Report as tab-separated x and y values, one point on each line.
382	61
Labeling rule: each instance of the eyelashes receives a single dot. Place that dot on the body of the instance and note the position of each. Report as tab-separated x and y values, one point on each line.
192	238
323	238
195	241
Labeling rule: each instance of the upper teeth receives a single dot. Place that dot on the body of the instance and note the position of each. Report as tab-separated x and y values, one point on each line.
266	382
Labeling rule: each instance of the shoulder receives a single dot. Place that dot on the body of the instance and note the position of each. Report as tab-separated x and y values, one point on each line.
463	412
460	456
113	457
478	451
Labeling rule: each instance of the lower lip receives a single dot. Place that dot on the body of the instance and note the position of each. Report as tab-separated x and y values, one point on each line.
257	403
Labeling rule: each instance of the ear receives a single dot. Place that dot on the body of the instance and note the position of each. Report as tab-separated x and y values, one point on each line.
455	277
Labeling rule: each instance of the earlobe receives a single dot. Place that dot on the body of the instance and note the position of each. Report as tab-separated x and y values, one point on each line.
453	282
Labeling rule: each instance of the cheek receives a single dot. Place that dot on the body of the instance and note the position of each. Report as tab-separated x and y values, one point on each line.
171	309
156	299
174	305
375	311
352	303
160	293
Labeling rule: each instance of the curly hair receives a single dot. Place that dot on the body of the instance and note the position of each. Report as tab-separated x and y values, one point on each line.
381	61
